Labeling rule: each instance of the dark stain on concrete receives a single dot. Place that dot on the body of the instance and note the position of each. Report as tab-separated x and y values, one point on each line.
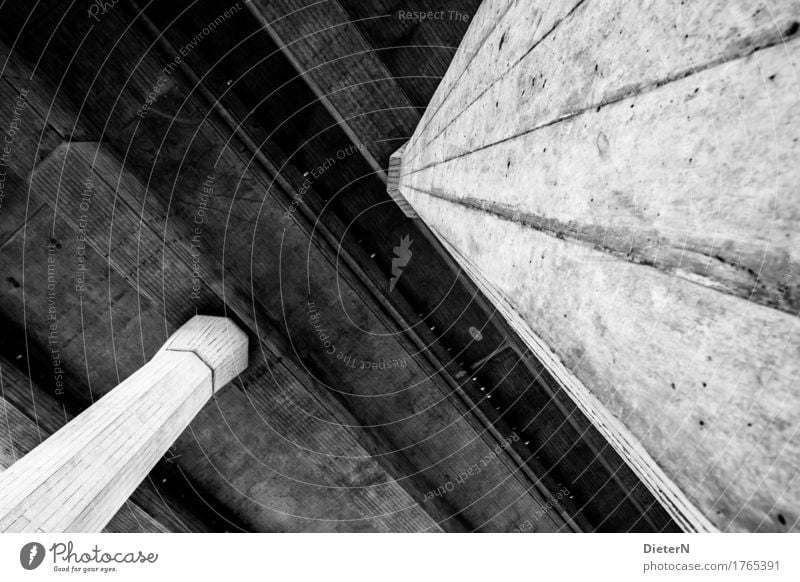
602	145
694	259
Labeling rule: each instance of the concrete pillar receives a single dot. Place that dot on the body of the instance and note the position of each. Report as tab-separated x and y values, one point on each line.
617	178
77	479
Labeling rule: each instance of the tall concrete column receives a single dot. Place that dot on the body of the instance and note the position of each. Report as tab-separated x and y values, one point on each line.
618	178
77	479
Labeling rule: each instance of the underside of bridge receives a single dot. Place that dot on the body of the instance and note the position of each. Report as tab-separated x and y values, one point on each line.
168	159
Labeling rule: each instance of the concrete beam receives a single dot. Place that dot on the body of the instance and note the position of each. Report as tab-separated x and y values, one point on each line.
342	69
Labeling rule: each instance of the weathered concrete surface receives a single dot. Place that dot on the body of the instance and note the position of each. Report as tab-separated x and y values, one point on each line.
624	186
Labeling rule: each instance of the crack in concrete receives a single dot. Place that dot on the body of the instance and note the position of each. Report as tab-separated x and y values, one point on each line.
499	77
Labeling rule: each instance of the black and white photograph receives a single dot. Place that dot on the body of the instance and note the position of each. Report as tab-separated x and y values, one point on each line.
336	274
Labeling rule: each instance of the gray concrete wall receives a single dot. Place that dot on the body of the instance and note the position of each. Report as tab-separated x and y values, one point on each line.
621	177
